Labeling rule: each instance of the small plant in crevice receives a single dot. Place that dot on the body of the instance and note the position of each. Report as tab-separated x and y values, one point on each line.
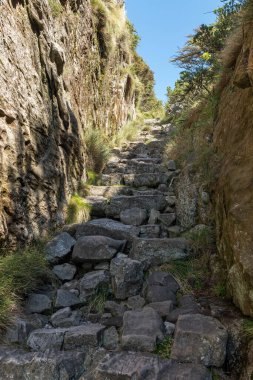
163	349
97	303
248	329
78	210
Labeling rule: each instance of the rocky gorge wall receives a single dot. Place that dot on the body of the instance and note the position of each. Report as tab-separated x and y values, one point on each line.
57	77
233	137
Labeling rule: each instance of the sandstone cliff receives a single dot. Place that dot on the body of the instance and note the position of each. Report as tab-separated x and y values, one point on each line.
61	69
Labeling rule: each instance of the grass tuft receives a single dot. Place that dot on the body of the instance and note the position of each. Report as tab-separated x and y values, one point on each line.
56	7
163	349
78	210
97	303
248	329
98	150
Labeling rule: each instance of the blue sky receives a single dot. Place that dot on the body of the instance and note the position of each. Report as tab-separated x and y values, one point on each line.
163	26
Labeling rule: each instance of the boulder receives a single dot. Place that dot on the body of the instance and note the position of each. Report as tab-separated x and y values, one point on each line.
133	216
163	279
187	305
49	365
138	366
96	249
159	293
159	251
115	309
135	302
107	227
127	277
59	248
66	318
200	339
93	280
38	303
19	330
146	202
65	272
142	330
66	298
150	231
162	308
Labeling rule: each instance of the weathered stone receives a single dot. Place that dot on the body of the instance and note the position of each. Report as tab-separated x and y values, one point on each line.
134	216
159	293
97	206
66	298
141	330
46	339
18	331
127	277
135	302
112	179
115	309
159	251
200	339
171	165
153	217
149	179
110	338
96	249
148	202
65	272
107	227
162	308
174	231
49	365
163	279
169	328
66	318
102	266
92	280
167	219
38	303
187	305
150	231
138	366
59	248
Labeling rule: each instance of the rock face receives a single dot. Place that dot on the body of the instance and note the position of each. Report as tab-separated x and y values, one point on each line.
69	82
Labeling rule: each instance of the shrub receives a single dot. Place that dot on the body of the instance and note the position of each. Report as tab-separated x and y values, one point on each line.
21	272
78	210
98	149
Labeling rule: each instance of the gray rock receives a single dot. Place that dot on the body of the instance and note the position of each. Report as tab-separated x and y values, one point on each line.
148	202
149	179
57	56
112	179
96	249
102	266
162	308
107	227
115	309
187	305
59	248
111	339
49	365
153	217
163	279
150	231
46	339
159	251
135	302
65	272
169	328
127	277
19	330
159	293
66	298
138	366
163	188
167	219
92	280
97	205
171	165
174	231
200	339
66	318
38	303
142	330
133	216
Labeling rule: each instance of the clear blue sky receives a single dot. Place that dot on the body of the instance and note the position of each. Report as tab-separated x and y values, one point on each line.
163	26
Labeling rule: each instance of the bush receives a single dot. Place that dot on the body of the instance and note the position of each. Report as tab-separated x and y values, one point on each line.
98	149
21	272
78	210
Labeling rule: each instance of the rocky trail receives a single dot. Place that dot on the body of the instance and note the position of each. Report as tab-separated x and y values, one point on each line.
109	304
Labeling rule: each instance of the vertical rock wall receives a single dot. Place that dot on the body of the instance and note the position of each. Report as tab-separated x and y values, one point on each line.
56	78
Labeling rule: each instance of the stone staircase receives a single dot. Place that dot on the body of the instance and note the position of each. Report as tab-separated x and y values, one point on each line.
109	304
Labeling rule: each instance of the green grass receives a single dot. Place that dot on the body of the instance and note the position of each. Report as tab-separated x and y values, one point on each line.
163	349
248	329
21	272
56	7
127	133
97	148
78	210
97	303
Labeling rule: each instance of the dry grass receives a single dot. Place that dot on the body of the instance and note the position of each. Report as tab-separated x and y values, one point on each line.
98	149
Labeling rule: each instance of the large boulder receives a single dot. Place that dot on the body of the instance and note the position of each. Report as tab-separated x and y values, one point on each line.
138	366
107	227
96	249
127	277
159	251
50	365
133	216
142	330
200	339
59	248
146	202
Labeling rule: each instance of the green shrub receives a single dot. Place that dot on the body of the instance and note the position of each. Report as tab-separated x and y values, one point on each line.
98	150
56	7
21	272
163	349
78	210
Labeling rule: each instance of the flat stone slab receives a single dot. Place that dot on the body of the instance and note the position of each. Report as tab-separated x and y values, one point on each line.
96	249
200	339
159	251
22	365
58	248
108	191
107	227
83	337
147	202
149	179
142	330
137	366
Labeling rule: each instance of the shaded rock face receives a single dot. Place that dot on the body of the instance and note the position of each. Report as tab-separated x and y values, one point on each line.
233	138
53	76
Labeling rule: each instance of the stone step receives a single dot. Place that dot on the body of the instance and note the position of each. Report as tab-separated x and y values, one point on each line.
159	251
131	166
148	202
109	191
149	179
